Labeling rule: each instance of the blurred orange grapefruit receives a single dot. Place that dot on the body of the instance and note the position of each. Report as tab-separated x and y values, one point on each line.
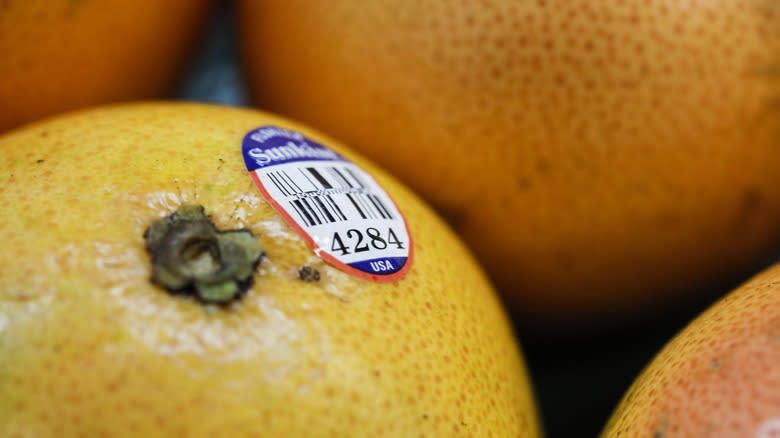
59	55
600	157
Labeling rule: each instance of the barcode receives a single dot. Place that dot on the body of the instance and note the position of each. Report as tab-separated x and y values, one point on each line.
328	194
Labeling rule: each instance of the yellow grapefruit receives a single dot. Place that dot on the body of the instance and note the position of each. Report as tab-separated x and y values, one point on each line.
91	346
600	157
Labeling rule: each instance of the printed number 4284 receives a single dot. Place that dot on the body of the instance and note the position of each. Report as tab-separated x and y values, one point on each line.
361	241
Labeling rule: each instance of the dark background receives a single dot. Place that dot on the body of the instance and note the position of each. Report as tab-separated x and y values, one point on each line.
579	377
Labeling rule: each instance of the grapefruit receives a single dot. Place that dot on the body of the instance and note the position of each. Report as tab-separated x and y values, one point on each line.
719	377
65	54
598	157
133	302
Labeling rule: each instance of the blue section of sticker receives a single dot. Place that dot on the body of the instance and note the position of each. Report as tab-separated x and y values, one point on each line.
271	145
381	266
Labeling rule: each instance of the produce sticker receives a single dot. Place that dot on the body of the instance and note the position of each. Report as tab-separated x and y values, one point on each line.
341	212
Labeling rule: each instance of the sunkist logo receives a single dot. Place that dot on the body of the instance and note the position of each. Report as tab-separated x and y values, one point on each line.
295	147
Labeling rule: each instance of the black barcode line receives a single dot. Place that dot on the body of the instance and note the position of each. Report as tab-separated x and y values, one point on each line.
276	182
298	206
355	177
380	207
314	186
336	207
295	208
367	206
311	211
318	176
342	180
292	183
283	180
314	214
324	209
315	201
283	183
384	207
363	215
359	200
377	205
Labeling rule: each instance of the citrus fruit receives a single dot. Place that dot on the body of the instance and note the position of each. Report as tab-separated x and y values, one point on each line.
719	377
133	302
65	54
599	158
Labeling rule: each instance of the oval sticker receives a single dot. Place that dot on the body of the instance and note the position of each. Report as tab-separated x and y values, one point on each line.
341	212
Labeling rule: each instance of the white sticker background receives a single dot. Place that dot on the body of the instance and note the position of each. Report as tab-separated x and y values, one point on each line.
343	198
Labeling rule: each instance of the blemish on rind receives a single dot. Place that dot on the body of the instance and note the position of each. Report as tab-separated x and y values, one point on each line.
191	256
308	274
